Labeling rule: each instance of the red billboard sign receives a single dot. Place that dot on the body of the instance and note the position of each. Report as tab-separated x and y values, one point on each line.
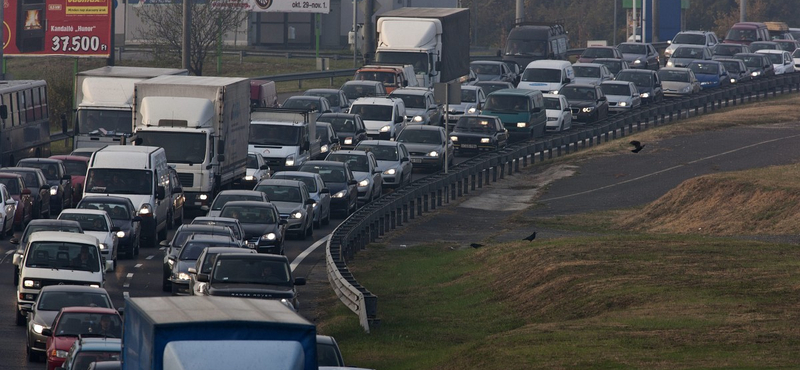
57	27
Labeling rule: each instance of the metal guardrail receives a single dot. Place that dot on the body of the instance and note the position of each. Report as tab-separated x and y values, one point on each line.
391	211
299	77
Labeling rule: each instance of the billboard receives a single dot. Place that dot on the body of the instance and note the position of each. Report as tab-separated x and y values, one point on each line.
57	27
290	6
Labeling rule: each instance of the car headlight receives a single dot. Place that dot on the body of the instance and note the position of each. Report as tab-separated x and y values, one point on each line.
552	118
120	234
94	285
297	215
249	178
339	194
472	110
59	353
170	262
386	128
323	148
290	161
363	183
645	95
554	92
522	124
38	328
348	141
733	80
755	73
183	276
390	171
637	61
686	89
36	284
623	104
670	64
485	140
587	109
53	190
417	119
433	154
268	236
103	246
454	138
146	210
202	197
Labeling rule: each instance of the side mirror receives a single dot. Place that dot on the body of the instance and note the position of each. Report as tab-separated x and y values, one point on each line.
566	109
26	191
164	243
567	80
220	147
109	266
404	159
204	208
602	98
177	189
17	259
220	157
67	177
160	192
669	42
536	110
264	167
121	310
192	270
398	119
115	229
334	140
300	281
325	191
47	332
438	65
14	241
203	278
352	182
137	219
45	187
283	222
309	201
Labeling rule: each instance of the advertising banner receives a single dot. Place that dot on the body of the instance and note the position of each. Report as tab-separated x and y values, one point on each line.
290	6
57	27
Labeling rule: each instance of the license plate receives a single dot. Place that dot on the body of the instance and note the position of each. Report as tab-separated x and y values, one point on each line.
416	160
574	117
469	146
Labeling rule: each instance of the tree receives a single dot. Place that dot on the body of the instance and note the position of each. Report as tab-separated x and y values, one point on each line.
163	29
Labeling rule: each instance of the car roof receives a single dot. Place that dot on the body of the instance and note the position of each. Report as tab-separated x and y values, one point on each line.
353	151
53	222
643	71
683	69
323	90
245	203
691	46
62	237
422	128
379	142
100	344
68	157
213	218
295	173
634	43
325	339
240	192
73	288
21	169
548	63
305	97
39	160
616	82
99	310
363	82
411	91
337	115
617	60
324	163
262	256
592	65
601	47
694	32
104	199
728	60
10	175
494	62
209	238
771	51
376	100
83	211
580	85
229	250
280	182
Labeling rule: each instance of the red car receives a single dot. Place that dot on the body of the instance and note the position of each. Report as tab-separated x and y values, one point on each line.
72	322
16	188
76	167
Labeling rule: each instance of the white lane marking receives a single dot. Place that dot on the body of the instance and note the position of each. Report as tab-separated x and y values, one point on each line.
137	265
10	251
162	248
308	251
128	280
130	275
126	294
150	257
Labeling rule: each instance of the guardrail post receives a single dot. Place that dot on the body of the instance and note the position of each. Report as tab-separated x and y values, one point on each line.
472	180
465	184
405	212
510	166
241	56
441	193
502	166
494	173
393	218
420	201
425	202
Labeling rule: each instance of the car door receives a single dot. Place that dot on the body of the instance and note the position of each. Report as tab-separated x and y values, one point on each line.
405	160
434	110
7	212
602	101
377	178
636	98
65	183
344	102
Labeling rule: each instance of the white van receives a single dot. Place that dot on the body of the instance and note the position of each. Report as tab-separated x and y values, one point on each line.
58	258
141	174
547	76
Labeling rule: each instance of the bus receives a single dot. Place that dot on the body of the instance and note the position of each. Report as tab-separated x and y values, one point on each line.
24	121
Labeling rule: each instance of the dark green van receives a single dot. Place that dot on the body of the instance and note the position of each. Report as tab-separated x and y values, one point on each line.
522	112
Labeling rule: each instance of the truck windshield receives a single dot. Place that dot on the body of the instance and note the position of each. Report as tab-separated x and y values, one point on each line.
119	181
418	60
96	122
251	271
181	147
373	112
526	47
266	134
61	255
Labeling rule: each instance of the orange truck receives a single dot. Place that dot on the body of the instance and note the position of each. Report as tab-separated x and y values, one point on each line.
392	77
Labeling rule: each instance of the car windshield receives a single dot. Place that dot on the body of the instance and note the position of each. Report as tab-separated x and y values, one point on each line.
76	168
468	95
252	161
332	97
279	193
739	34
796	53
616	89
552	103
751	60
191	250
412	101
229	224
704	68
381	152
89	222
486	69
119	181
420	137
84	359
55	300
116	211
489	87
638	79
613	66
73	324
251	215
341	125
731	67
267	134
466	123
63	255
222	198
302	103
689	38
357	163
578	93
311	184
756	46
727	49
585	71
526	47
373	112
677	76
684	52
12	185
354	91
29	177
49	170
328	173
775	58
598	53
632	49
184	147
251	271
547	75
506	103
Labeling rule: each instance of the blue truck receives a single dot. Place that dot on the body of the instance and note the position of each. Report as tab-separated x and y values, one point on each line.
199	333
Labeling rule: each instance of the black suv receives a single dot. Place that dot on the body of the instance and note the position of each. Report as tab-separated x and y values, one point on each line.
646	81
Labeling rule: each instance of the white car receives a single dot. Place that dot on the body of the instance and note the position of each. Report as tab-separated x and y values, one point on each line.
796	59
257	168
8	207
559	117
591	73
781	60
97	223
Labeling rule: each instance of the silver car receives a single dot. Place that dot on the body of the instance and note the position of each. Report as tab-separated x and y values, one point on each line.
622	95
427	145
293	202
316	189
591	73
678	81
393	161
472	99
365	170
685	54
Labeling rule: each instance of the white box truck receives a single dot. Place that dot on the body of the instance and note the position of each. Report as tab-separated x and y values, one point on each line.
203	124
286	138
104	103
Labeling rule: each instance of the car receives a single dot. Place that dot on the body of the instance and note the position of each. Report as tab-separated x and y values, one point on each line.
516	71
589	54
83	152
188	255
173	247
472	99
591	73
364	167
37	184
393	161
316	190
678	81
698	38
764	45
341	182
264	229
226	196
492	70
647	82
781	60
74	322
39	225
57	177
328	140
76	168
421	107
8	209
23	210
684	55
309	103
723	51
788	45
123	216
232	223
328	352
796	59
623	96
587	102
97	223
737	71
94	354
204	264
362	89
710	73
349	128
559	116
294	204
491	86
383	117
478	133
640	55
613	65
257	170
339	103
50	301
177	198
428	146
757	64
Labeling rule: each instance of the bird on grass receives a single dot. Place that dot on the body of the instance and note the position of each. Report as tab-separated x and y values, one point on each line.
531	237
637	146
475	245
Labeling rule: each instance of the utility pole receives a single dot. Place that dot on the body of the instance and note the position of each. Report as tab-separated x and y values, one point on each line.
644	21
355	35
654	22
742	10
614	34
369	28
520	11
187	25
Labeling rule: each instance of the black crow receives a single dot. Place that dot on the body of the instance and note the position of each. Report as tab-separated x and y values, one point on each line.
637	146
531	237
476	245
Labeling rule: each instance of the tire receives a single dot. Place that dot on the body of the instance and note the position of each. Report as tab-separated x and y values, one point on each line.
318	223
170	221
174	289
16	275
21	319
10	231
327	219
136	246
166	285
179	221
310	229
32	357
162	234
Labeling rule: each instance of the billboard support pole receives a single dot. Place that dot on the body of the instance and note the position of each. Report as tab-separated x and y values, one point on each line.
3	41
111	44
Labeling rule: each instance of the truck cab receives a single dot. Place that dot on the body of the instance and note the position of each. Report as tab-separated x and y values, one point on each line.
286	138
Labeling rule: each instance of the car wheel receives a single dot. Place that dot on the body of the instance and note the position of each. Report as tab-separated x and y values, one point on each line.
174	289
10	231
136	243
170	221
166	285
31	353
16	275
162	234
21	319
310	229
179	220
327	219
318	223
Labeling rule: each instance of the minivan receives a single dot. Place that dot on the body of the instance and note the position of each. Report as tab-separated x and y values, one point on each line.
522	111
141	174
747	32
547	76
